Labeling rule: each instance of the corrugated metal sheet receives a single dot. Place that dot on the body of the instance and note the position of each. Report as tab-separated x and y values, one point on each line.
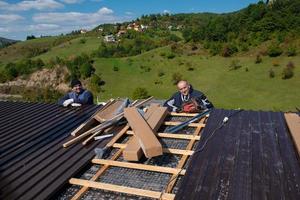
251	157
33	163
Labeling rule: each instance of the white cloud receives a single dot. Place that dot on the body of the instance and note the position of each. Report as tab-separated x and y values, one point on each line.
43	27
72	1
128	13
9	18
103	15
28	5
166	11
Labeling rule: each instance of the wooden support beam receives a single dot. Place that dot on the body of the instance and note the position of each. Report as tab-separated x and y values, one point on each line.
184	114
143	132
123	189
190	125
138	166
165	150
293	122
172	135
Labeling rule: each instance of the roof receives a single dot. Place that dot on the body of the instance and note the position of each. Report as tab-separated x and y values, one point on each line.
33	163
251	157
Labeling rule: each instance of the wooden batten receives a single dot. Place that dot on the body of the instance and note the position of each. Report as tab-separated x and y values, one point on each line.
293	122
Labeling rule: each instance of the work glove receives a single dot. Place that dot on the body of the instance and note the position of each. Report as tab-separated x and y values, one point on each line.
68	102
75	104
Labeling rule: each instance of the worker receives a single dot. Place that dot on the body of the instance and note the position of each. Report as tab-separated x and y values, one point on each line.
77	97
187	99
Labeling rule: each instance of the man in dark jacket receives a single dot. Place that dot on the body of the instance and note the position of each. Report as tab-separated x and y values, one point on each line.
185	95
77	97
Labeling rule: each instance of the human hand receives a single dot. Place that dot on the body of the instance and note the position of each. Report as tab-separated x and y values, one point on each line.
68	102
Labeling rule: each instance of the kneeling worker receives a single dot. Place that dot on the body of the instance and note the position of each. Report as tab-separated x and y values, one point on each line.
187	99
77	97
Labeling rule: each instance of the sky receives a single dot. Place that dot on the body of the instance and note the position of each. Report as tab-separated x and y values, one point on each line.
18	19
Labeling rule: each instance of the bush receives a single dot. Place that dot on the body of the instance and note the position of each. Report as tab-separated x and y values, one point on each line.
271	73
287	73
189	66
274	51
160	73
95	83
86	70
82	41
234	65
171	56
228	50
115	68
140	93
290	65
291	51
275	63
162	54
176	77
258	59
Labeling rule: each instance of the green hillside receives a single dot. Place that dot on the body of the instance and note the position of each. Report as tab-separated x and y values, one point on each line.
252	89
237	59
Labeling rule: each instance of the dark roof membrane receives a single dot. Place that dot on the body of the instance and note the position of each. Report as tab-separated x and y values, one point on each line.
251	157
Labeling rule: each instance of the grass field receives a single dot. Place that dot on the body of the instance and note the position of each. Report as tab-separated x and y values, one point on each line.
73	47
252	89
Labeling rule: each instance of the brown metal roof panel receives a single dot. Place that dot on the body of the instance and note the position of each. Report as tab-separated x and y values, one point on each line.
41	165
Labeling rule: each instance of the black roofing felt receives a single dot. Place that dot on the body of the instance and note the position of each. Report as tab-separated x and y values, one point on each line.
251	157
33	163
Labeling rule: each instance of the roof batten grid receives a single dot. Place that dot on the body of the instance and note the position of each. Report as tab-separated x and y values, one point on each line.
139	190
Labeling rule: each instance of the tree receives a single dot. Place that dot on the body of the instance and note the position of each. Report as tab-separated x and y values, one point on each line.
140	93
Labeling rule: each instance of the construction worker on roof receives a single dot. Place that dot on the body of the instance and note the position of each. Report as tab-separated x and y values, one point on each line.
77	97
187	99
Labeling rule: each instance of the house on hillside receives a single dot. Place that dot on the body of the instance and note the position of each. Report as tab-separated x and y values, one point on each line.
109	38
121	32
83	31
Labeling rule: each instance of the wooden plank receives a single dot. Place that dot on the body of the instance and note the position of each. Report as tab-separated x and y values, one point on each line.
79	194
154	117
165	150
122	189
184	114
293	122
172	135
109	112
138	166
143	132
190	125
91	122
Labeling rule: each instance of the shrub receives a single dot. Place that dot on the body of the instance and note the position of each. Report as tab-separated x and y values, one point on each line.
115	68
140	93
86	70
291	51
275	63
82	41
258	59
274	51
234	65
158	82
271	73
176	77
160	73
95	83
246	69
287	73
228	50
171	56
162	54
189	66
290	65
